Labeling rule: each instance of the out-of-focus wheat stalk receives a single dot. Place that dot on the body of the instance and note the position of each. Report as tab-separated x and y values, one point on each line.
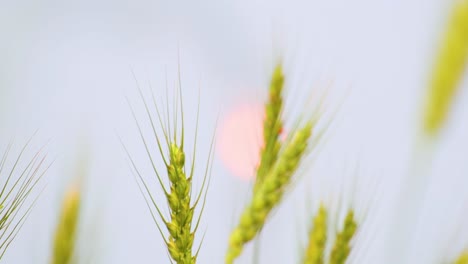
66	233
182	223
17	185
315	251
272	126
269	193
448	70
342	245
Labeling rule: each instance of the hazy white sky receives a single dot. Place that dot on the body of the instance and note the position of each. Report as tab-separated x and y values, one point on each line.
66	67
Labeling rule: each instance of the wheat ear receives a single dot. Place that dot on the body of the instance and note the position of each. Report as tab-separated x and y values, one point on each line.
181	237
342	245
462	259
272	126
315	251
181	225
65	236
269	193
448	70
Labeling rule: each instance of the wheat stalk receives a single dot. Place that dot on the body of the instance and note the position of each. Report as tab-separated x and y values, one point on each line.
342	245
448	71
66	232
15	190
269	194
272	126
315	251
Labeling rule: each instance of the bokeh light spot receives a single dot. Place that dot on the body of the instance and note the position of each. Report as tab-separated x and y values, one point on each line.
240	140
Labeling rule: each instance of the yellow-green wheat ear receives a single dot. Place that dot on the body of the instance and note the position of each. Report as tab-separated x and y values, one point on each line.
272	125
315	251
269	193
181	237
179	226
448	70
65	236
342	246
462	259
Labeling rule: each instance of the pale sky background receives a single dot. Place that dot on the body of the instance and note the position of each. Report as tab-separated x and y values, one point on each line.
66	68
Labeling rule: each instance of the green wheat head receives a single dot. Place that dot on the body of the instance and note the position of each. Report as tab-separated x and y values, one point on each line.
342	246
448	70
315	251
269	193
182	223
272	126
181	237
278	164
462	259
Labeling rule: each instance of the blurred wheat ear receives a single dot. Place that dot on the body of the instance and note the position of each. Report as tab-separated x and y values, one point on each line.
342	246
279	162
182	223
448	70
269	193
272	126
462	259
315	252
17	185
65	236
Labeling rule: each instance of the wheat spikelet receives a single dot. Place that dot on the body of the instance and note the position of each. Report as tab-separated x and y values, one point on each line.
269	194
449	68
65	236
315	251
462	259
342	245
272	126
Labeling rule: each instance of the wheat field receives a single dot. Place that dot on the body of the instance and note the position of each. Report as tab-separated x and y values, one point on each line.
230	132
